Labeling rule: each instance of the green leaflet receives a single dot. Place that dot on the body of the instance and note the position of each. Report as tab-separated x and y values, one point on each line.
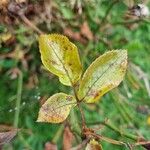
104	74
61	58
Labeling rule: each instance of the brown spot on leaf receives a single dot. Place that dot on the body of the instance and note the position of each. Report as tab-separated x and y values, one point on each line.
96	95
70	64
65	47
123	64
54	62
69	98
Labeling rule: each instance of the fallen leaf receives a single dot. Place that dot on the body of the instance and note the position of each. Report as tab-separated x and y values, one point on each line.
50	146
5	128
6	137
86	32
32	81
67	139
3	3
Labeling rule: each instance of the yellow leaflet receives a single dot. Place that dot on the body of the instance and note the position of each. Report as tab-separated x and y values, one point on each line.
93	145
61	58
56	108
104	74
148	120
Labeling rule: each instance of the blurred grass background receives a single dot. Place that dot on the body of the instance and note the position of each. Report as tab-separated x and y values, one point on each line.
94	32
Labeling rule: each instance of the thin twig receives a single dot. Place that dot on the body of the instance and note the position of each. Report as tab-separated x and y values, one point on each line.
18	101
82	116
109	140
127	22
131	21
30	24
142	143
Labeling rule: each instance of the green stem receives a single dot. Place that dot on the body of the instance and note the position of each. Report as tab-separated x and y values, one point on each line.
18	100
80	109
131	22
82	116
127	22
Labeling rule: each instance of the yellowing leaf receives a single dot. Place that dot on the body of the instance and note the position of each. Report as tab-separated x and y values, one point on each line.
93	145
56	108
60	57
104	74
148	120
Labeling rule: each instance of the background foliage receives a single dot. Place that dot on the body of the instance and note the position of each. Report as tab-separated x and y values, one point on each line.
94	26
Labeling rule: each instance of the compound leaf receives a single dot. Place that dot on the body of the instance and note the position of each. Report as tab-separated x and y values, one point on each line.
61	58
56	108
104	74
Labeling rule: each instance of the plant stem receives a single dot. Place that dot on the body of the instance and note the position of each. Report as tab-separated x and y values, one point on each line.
75	92
109	140
80	109
131	22
18	100
82	116
127	22
74	124
30	24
